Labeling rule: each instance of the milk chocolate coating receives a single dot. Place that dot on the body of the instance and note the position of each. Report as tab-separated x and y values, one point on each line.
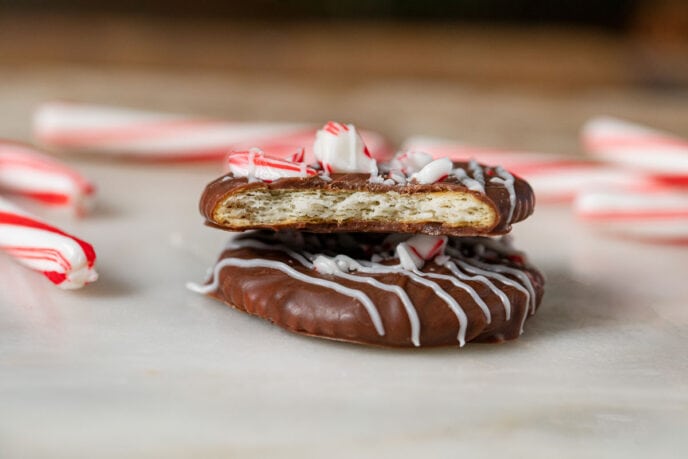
496	196
314	310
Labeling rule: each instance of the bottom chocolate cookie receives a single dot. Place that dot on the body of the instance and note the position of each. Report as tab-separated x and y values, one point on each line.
388	290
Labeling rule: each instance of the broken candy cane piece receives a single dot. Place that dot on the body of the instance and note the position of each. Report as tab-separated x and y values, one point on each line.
339	148
410	161
148	135
416	250
64	259
26	172
655	215
255	165
435	171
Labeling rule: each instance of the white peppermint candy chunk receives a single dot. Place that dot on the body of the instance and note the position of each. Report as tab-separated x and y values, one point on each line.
410	161
427	247
407	258
339	148
255	165
435	171
325	265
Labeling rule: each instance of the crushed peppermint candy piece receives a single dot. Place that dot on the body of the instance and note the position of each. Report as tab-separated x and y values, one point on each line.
339	148
435	171
65	260
325	265
410	162
297	157
255	165
408	259
416	250
398	177
427	247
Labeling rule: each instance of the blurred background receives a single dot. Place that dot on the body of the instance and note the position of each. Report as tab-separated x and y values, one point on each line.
506	73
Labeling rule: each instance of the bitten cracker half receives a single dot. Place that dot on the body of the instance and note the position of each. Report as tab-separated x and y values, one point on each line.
468	200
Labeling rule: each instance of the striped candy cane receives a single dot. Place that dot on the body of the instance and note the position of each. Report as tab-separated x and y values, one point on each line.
64	259
28	173
145	135
655	215
637	146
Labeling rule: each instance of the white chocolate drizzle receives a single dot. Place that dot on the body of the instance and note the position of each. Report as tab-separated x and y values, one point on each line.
495	271
507	180
409	265
375	268
465	287
340	268
288	270
467	181
451	266
525	280
476	171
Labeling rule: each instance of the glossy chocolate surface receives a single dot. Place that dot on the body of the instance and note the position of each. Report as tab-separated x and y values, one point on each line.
311	309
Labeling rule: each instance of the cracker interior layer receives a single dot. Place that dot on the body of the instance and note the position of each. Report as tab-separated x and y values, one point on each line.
297	206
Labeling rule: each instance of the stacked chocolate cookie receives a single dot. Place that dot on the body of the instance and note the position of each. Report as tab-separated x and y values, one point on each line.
395	253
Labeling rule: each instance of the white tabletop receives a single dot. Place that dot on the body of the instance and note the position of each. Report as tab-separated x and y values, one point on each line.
136	364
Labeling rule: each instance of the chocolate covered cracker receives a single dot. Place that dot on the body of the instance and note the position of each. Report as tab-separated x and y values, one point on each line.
462	198
388	290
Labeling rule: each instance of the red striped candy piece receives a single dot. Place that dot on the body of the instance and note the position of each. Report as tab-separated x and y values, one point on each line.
427	247
637	146
66	260
254	164
655	215
26	172
339	148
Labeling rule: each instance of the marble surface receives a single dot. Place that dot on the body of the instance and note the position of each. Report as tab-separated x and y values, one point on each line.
137	365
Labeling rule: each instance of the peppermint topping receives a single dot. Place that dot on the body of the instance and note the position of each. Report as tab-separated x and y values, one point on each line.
408	259
298	156
416	250
427	247
339	148
435	171
256	166
410	162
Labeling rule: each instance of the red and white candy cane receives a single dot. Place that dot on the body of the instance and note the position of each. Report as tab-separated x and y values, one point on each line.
26	172
145	135
64	259
554	177
655	215
254	164
637	146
